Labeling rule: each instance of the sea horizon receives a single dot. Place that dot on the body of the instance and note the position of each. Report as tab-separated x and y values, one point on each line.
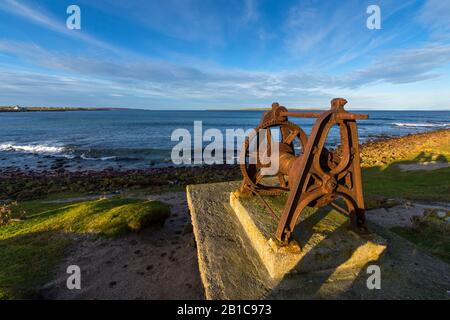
231	109
139	139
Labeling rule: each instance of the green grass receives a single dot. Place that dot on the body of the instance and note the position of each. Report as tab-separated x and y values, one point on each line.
31	248
389	181
420	185
431	239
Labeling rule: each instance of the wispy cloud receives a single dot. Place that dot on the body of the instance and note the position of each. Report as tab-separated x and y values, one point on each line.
46	20
170	82
435	16
204	21
42	18
335	32
312	41
403	66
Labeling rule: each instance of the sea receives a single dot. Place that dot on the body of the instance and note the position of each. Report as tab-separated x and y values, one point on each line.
137	139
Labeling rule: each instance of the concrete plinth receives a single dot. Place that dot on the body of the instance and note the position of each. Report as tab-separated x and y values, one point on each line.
320	241
236	261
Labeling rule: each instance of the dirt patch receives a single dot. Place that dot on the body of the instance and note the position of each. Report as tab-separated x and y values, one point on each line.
427	166
401	215
157	263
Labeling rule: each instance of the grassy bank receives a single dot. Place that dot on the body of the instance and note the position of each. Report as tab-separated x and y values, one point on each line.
382	161
32	246
430	238
383	179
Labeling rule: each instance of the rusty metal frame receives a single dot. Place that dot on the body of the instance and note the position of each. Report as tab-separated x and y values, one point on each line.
316	177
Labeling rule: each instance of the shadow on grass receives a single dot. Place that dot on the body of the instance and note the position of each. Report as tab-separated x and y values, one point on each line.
429	156
431	239
26	261
390	181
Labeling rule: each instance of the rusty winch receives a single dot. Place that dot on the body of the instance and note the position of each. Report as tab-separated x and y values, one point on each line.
311	174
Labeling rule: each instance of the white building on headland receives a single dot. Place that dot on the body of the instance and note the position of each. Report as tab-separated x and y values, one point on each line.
18	108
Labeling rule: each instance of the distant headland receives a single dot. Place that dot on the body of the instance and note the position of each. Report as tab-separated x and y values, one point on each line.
47	109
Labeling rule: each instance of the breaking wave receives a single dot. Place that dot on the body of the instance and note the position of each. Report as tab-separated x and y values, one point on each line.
51	151
84	157
421	125
88	154
36	149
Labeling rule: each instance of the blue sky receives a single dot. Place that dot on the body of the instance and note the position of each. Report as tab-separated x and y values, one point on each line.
208	54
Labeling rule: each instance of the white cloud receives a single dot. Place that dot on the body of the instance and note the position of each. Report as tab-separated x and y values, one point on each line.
153	79
435	17
403	66
331	39
197	21
46	20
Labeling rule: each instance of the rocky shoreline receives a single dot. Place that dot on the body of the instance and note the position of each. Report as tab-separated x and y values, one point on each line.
386	150
19	184
25	185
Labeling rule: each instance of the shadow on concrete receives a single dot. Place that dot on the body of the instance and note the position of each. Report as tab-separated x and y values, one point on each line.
406	273
330	283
